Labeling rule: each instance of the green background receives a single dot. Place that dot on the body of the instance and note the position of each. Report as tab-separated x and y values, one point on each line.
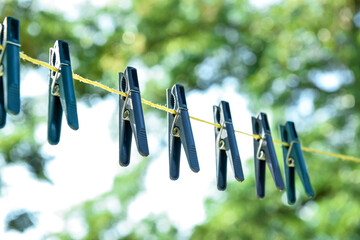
278	55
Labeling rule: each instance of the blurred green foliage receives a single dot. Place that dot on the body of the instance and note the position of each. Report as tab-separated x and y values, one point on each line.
296	59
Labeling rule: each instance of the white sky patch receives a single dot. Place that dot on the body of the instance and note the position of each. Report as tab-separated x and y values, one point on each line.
263	3
33	84
328	82
331	81
106	23
70	8
306	103
86	159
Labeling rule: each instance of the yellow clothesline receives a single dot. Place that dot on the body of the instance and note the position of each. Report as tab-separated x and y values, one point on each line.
164	108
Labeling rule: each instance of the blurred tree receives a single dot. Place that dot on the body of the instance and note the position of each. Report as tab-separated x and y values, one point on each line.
296	59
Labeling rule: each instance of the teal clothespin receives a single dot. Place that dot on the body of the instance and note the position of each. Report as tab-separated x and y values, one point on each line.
179	132
61	92
131	117
225	146
294	160
264	154
10	68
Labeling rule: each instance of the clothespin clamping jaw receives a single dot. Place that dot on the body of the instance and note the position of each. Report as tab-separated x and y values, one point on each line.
264	152
9	68
225	145
61	92
179	131
294	160
131	117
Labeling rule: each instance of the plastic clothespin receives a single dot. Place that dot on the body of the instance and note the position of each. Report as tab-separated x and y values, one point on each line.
225	145
294	160
264	152
179	131
61	92
131	117
10	68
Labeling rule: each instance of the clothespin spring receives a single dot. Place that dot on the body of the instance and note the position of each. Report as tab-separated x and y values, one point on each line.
260	153
175	130
54	86
125	112
221	142
290	161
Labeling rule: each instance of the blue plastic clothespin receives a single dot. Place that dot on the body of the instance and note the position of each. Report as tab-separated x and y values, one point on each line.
10	65
131	117
61	92
179	131
294	160
225	145
264	152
